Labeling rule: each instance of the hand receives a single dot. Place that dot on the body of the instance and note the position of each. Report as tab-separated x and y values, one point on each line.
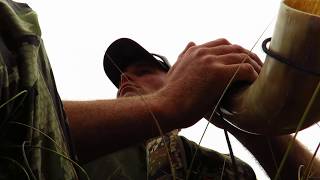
198	78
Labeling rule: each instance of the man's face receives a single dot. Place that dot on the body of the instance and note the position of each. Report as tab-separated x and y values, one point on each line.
141	78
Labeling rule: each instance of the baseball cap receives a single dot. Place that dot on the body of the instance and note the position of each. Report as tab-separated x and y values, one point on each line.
123	52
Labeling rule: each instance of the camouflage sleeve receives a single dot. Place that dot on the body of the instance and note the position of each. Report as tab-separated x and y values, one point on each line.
35	140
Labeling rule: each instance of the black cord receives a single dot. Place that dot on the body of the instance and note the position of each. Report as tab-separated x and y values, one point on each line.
283	59
233	160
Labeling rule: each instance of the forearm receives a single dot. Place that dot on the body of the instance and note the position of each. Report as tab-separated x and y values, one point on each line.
100	127
269	151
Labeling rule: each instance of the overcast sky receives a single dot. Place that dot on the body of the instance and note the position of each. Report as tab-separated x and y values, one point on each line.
76	34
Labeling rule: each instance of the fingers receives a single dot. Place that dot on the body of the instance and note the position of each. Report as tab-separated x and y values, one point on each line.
256	58
231	53
223	46
247	69
223	52
238	58
215	43
245	72
233	48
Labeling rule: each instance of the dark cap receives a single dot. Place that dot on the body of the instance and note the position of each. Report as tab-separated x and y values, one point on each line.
123	52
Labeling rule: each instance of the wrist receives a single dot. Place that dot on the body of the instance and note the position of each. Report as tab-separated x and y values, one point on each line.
174	109
163	110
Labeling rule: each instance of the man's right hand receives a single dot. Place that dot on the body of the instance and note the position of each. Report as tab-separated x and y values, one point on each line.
198	78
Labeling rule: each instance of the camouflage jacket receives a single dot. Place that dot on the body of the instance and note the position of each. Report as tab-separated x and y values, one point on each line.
35	143
150	162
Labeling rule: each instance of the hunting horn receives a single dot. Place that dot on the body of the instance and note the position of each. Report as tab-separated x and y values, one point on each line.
276	102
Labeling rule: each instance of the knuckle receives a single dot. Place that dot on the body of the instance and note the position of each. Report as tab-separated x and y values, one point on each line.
244	57
217	64
192	49
208	59
198	52
247	67
218	70
237	48
188	51
223	41
254	55
191	44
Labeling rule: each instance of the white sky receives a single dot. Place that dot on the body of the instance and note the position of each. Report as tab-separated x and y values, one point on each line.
76	33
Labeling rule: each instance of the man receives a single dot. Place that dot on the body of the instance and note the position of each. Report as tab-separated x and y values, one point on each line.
141	78
144	73
189	82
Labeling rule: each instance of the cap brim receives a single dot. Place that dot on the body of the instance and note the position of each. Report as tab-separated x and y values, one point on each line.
120	54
